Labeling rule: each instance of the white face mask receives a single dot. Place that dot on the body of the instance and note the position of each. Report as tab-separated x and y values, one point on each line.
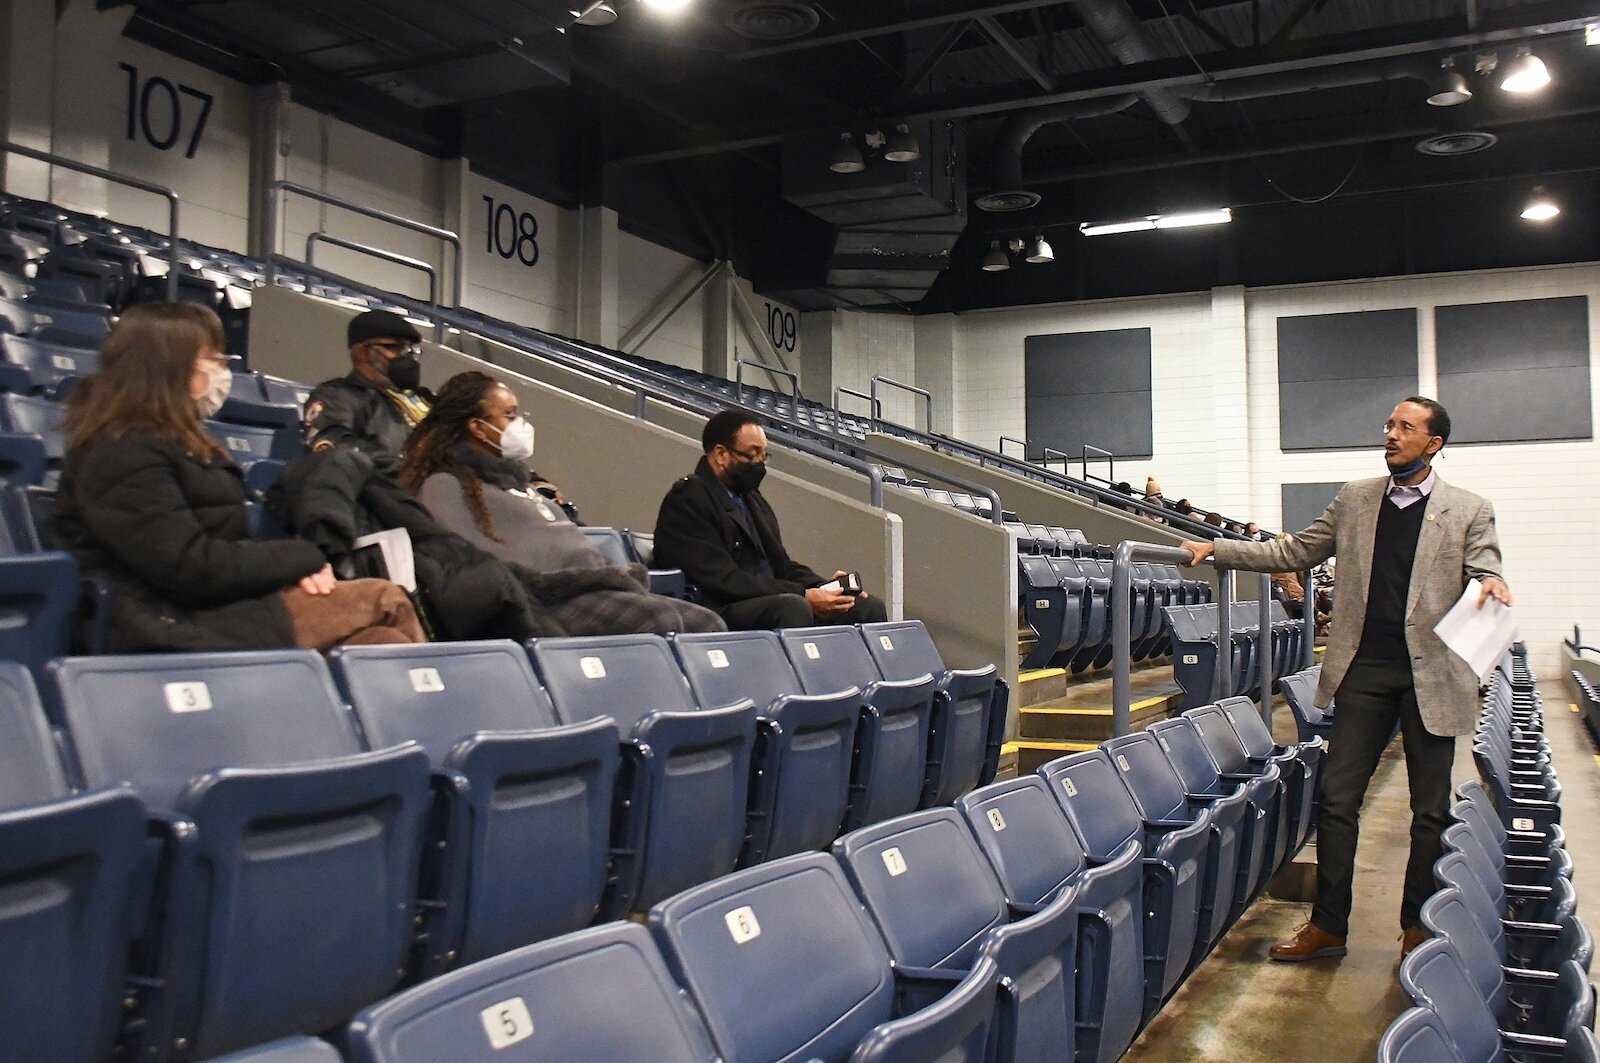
218	386
516	440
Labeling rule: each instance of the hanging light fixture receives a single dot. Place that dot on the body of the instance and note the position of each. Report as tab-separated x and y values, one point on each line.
1541	207
599	13
846	156
1040	251
1525	73
667	5
1449	86
902	146
996	259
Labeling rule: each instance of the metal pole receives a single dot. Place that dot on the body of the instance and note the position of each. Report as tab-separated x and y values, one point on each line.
1308	621
1224	633
1264	666
312	239
927	397
1129	551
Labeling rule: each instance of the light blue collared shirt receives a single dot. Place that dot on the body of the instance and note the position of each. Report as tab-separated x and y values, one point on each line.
1403	496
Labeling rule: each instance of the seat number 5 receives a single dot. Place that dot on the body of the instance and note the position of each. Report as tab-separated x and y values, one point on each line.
507	1023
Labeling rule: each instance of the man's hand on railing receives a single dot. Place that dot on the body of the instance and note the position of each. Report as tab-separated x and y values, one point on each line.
1198	552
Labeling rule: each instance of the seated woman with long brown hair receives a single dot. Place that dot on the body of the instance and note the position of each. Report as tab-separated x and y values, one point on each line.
466	461
150	502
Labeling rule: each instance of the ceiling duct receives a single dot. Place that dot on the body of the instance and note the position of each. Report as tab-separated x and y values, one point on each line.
1464	142
1011	192
771	20
1116	27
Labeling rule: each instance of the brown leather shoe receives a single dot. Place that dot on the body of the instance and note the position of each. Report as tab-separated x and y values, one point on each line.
1310	942
1410	938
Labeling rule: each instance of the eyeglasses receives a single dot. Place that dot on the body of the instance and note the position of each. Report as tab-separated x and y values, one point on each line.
759	456
398	349
1405	428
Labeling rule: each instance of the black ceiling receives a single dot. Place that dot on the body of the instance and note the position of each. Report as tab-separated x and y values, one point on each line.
710	130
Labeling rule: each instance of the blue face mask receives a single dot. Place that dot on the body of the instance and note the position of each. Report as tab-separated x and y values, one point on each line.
1411	468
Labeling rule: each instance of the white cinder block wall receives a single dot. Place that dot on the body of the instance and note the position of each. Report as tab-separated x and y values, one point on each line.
1215	408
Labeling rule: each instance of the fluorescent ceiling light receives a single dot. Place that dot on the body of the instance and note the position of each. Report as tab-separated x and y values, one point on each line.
1540	208
1591	34
1525	73
1112	228
1197	217
667	5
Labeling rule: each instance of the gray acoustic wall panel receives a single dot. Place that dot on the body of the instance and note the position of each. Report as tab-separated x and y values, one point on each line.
1339	376
1304	503
1089	387
1515	371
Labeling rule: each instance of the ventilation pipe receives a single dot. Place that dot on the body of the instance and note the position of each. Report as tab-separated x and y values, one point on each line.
1114	23
1010	191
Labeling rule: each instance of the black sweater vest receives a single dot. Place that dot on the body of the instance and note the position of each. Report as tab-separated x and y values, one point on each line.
1394	551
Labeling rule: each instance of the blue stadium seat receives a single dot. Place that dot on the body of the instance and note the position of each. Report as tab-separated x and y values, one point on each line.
44	366
288	1050
1095	799
70	867
34	415
1046	607
1260	747
1550	901
598	994
514	787
609	542
1310	719
247	444
968	724
1186	752
1094	651
1161	797
1417	1036
281	392
936	901
670	582
248	404
892	737
1037	855
802	763
291	855
38	604
1543	946
1234	764
686	769
737	945
23	459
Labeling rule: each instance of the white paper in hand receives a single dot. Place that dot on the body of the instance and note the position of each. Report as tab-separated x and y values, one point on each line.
1478	636
395	544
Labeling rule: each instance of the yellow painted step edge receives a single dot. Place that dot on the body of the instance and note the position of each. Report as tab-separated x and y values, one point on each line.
1147	703
1048	743
1040	673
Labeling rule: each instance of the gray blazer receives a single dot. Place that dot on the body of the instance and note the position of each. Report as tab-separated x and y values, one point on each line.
1457	543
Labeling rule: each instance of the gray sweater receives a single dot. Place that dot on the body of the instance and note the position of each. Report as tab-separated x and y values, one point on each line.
534	531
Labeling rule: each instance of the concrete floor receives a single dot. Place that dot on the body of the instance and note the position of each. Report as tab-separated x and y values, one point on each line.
1239	1007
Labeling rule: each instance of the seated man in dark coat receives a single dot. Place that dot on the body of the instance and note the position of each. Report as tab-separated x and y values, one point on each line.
382	399
717	528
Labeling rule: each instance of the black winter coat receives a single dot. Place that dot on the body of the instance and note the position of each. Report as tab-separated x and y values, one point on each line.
701	531
170	531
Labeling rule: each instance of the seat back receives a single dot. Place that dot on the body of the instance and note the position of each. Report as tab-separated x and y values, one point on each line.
47	364
742	938
1247	723
1151	780
829	658
439	693
597	994
610	544
1222	743
1417	1036
288	1050
249	443
1434	977
36	416
30	769
626	677
1187	754
1447	916
1094	799
927	886
724	666
1029	843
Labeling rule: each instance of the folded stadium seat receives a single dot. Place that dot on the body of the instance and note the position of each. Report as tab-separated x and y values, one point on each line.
1542	946
248	404
70	868
1095	800
1235	764
1096	643
1026	543
45	366
1520	841
67	326
1310	719
290	855
38	601
288	1050
1260	747
1043	541
1434	977
1186	752
1417	1036
801	786
248	443
105	267
1521	795
1084	619
738	944
513	786
281	392
941	496
1526	866
935	899
1037	856
1161	797
1537	1002
968	724
891	755
686	769
671	582
598	994
1548	901
37	416
1044	605
1069	538
609	542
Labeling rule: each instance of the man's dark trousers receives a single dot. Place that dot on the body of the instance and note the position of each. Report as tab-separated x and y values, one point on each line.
792	610
1374	696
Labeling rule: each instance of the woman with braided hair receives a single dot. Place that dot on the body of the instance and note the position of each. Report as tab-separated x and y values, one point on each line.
466	462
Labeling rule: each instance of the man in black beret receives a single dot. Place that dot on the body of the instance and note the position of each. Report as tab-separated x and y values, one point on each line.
375	407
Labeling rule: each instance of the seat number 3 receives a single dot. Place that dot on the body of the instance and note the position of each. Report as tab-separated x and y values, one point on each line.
506	1023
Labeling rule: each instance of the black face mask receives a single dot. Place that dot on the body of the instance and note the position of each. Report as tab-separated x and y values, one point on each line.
746	476
405	372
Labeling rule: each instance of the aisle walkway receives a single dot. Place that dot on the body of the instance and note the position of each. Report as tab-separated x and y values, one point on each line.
1239	1007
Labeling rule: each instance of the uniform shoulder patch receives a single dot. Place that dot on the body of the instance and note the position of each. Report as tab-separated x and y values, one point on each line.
313	411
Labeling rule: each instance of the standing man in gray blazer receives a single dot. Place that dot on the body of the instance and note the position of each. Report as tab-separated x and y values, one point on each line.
1407	545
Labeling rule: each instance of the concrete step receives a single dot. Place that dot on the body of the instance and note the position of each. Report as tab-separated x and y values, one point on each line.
1031	754
1081	723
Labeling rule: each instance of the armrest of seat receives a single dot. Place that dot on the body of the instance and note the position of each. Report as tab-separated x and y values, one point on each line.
22	458
669	582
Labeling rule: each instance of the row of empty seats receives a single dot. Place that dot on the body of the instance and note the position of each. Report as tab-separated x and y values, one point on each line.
1505	974
1067	602
1196	644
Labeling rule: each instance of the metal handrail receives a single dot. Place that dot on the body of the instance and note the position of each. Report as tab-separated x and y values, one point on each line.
838	411
1023	443
1044	458
312	239
771	370
927	397
1111	461
173	253
1575	643
270	226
